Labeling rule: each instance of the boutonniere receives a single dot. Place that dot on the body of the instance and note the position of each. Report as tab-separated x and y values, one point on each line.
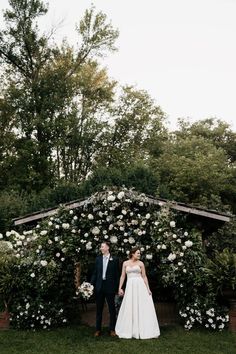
111	259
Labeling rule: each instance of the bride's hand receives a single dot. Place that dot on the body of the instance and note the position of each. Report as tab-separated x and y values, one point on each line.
121	292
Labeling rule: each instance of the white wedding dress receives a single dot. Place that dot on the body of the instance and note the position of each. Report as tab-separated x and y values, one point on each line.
137	316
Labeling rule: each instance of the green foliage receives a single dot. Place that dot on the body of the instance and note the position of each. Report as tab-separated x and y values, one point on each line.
12	204
192	170
224	237
8	274
222	270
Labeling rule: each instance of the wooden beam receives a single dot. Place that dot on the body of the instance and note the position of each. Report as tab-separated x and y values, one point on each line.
192	210
174	205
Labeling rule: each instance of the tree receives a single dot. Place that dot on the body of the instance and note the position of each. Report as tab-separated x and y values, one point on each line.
37	87
192	170
138	127
214	130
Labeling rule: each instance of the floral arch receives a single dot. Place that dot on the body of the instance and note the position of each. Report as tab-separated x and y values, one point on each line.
46	256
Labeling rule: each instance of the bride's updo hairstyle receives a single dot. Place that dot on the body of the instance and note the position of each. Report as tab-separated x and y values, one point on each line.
133	251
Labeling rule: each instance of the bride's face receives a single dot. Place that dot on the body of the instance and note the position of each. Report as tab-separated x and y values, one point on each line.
137	255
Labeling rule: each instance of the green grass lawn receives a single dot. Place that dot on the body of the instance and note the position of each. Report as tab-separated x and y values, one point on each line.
80	339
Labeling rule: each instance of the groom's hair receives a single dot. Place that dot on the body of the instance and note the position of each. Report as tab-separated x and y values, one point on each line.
107	243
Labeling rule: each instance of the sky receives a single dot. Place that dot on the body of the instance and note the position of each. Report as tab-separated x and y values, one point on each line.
183	52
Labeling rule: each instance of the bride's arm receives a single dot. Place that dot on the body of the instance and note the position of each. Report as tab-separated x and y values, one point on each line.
145	277
122	279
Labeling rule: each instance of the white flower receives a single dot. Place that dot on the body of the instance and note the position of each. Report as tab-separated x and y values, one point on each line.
149	256
131	240
163	247
172	224
90	217
125	240
174	236
43	263
50	223
180	264
184	247
184	270
210	320
71	212
49	242
178	240
95	230
43	232
188	243
8	233
111	198
113	239
147	216
57	226
181	254
61	242
89	245
171	257
158	247
32	275
56	238
65	225
142	249
75	217
124	212
58	254
120	195
186	233
1	236
141	204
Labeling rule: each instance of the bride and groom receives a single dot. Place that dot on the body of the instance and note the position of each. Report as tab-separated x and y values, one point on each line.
137	316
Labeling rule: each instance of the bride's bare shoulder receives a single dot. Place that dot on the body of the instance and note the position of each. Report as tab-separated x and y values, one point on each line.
141	264
125	263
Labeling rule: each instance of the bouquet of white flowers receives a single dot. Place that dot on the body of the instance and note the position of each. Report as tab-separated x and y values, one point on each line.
86	290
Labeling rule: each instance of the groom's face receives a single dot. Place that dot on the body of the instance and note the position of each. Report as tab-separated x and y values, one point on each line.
104	248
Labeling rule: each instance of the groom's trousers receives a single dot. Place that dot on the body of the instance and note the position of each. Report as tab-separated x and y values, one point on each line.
102	295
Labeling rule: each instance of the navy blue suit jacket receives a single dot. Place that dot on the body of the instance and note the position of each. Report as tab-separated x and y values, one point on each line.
112	274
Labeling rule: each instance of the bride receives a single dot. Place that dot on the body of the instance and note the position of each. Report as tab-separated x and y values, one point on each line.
137	316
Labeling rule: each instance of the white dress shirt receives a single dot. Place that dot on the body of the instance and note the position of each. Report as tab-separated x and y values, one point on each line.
104	265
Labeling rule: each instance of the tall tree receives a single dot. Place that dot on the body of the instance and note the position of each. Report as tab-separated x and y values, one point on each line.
36	86
192	170
137	130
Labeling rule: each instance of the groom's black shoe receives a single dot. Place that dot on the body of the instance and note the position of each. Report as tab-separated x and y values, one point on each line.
113	334
97	334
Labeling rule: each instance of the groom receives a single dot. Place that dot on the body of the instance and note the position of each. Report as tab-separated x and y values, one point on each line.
105	280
